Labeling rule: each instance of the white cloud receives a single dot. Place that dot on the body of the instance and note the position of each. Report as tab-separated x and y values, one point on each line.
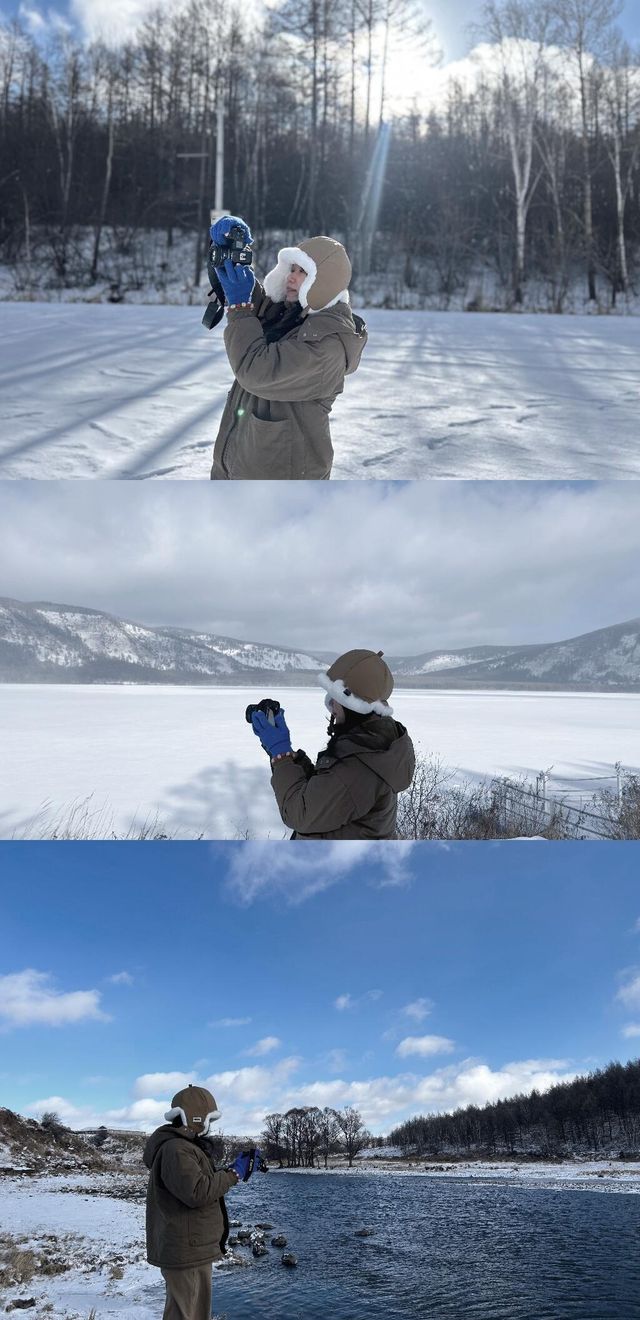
29	998
418	1010
386	1101
120	978
631	1031
258	870
74	1116
230	1022
629	992
424	1046
162	1083
265	1046
42	25
343	1003
245	1095
336	1060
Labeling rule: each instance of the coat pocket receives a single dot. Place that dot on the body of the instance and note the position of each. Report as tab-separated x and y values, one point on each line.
264	450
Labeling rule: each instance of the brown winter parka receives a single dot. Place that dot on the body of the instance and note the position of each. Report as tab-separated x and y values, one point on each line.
275	424
186	1215
352	791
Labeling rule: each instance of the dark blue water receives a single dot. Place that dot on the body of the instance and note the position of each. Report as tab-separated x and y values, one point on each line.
441	1250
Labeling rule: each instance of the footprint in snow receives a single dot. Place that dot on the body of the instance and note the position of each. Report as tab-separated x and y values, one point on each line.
381	458
437	441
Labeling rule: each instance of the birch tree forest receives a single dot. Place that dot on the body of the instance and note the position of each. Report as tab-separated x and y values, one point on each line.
532	174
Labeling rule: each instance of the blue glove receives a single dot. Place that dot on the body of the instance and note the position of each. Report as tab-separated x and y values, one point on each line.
220	230
275	738
247	1162
237	282
241	1165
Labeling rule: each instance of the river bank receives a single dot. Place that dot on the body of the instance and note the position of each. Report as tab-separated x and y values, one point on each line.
72	1246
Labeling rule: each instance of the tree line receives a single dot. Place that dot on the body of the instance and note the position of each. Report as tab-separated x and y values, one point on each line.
532	172
305	1137
597	1113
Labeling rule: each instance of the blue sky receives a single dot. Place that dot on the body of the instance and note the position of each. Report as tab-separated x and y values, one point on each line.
452	22
400	979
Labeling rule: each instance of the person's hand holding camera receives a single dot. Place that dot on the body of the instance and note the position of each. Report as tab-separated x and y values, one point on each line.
237	282
221	229
275	738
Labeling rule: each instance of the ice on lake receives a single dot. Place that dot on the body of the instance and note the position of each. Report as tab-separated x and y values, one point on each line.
136	392
186	755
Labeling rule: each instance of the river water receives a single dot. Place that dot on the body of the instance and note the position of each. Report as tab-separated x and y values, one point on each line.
439	1250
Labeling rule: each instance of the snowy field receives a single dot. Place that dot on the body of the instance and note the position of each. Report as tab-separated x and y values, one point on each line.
186	756
136	392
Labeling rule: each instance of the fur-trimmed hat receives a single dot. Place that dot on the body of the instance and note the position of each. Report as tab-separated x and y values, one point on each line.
361	681
196	1107
328	273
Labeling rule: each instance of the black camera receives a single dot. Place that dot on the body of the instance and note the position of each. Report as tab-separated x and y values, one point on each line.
235	249
268	706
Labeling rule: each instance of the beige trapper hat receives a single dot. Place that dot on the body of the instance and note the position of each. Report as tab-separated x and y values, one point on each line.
328	273
196	1107
361	681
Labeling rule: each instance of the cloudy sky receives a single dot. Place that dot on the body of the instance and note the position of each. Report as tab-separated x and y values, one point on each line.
415	992
409	567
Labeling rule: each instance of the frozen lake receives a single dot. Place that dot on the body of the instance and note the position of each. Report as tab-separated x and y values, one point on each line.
136	392
186	755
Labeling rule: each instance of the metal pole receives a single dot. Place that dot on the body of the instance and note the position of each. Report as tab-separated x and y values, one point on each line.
219	204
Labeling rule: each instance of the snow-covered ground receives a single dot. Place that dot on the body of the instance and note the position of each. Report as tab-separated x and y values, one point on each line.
136	392
99	1238
187	756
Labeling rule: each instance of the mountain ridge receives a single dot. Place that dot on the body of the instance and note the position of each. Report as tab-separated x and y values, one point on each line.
46	641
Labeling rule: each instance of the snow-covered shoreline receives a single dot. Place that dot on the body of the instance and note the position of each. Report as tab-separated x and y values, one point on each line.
570	1175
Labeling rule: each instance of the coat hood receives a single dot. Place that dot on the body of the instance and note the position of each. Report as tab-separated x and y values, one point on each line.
384	746
159	1138
328	273
339	320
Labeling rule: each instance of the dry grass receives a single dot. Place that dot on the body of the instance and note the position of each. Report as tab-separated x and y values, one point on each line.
439	806
18	1263
85	819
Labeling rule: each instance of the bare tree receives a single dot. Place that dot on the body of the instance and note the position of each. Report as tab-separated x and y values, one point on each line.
583	27
354	1135
621	87
520	30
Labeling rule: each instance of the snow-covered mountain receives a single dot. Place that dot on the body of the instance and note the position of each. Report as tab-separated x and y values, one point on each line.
41	641
609	656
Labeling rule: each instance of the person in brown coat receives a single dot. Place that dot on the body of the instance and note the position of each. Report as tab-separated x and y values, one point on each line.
352	790
187	1225
290	344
